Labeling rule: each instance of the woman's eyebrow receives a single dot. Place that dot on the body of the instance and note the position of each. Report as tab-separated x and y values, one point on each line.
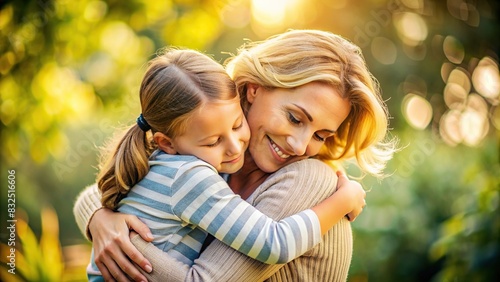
309	117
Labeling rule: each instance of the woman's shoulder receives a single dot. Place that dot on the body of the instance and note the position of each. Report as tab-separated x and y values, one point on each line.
301	184
311	173
310	166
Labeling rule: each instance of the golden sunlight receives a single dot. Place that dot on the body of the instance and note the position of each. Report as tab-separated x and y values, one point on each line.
473	127
269	13
449	128
271	16
417	111
486	78
411	28
457	88
235	14
454	96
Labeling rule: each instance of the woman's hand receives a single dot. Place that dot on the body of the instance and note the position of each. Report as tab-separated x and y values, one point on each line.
356	192
114	254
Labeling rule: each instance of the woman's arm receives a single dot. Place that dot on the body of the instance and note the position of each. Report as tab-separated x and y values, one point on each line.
87	203
296	187
112	247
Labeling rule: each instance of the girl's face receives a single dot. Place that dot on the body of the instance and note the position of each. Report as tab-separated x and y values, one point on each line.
292	124
217	133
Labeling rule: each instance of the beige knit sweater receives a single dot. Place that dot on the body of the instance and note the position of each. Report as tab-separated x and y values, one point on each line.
293	188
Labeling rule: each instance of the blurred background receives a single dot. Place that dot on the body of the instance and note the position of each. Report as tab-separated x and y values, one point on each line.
70	72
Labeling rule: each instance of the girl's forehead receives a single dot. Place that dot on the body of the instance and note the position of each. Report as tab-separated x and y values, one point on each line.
219	107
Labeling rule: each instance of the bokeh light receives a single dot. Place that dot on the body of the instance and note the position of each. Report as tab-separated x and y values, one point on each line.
384	50
473	127
417	111
449	128
486	78
271	16
467	121
446	69
453	50
454	96
95	11
235	14
464	11
411	28
457	88
120	41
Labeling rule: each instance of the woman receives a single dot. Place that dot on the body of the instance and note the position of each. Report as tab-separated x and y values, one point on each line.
308	96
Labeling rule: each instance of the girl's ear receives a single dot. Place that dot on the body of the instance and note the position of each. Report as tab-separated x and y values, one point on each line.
165	143
251	92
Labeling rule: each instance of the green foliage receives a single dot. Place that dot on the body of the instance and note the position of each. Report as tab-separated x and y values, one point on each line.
437	218
62	61
37	260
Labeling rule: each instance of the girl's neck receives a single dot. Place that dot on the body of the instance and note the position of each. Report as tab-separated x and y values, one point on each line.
245	181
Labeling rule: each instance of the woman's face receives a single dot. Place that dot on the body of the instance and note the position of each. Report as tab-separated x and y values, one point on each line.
287	125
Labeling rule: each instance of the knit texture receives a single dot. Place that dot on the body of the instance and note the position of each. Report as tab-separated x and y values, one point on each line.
87	203
294	188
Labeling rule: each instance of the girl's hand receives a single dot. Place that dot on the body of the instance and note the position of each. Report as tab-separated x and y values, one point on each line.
114	254
356	192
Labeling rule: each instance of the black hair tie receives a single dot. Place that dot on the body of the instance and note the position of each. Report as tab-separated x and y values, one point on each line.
142	123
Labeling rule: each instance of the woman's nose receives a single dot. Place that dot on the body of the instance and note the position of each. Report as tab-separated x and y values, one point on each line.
298	144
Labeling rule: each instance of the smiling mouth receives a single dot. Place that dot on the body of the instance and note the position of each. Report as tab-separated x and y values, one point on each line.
234	160
277	150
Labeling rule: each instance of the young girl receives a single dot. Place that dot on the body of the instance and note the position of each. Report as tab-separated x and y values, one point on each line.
165	169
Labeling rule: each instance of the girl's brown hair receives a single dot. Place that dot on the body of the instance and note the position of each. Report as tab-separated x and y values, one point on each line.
175	83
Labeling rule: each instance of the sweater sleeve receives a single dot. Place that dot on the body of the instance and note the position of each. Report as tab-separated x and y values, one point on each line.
201	197
87	203
296	187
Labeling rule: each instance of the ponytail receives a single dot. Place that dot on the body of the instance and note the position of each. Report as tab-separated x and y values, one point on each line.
127	165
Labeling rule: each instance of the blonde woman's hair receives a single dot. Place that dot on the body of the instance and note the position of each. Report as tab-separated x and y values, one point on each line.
176	82
298	57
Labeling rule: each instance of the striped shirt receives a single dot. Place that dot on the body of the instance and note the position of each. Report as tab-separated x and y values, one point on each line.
182	198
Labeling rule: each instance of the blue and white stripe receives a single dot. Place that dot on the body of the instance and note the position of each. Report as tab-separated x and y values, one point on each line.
182	196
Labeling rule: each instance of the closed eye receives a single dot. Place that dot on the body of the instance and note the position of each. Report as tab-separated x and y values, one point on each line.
215	143
238	127
293	119
319	138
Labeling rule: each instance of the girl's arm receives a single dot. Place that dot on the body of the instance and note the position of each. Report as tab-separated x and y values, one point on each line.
281	195
201	197
350	196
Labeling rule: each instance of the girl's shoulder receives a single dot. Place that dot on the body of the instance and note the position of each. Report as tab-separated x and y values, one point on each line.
175	164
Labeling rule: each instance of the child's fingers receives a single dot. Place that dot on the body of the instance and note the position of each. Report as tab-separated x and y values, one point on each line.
342	179
341	173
